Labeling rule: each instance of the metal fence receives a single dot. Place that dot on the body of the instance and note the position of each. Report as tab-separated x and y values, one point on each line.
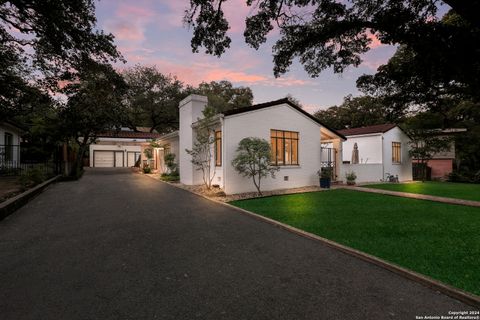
19	159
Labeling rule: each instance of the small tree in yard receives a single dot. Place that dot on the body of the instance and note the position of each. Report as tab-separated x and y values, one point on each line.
170	163
201	151
424	144
253	160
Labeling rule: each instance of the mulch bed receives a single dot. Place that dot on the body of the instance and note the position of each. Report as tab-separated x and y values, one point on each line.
216	193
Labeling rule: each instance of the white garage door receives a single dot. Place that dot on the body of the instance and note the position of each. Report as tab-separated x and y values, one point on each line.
104	159
132	158
108	159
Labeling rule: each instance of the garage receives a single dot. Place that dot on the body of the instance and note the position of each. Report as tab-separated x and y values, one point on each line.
107	159
117	149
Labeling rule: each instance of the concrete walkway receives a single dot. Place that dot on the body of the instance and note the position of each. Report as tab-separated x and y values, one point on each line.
462	202
117	245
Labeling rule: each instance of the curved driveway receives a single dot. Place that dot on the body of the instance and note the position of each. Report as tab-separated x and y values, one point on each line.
117	245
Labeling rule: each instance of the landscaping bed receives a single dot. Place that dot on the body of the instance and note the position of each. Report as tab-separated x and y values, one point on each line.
10	186
217	193
463	191
439	240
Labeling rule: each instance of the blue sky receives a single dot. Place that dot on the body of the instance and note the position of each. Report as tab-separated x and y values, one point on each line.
151	32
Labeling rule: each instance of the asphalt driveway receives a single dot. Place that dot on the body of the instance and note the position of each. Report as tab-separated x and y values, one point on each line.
117	245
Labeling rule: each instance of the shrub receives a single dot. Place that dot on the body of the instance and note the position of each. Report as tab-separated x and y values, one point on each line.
173	176
169	177
253	160
32	177
325	173
351	176
147	169
170	162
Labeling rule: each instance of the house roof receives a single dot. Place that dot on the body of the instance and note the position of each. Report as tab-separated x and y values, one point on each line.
12	124
278	102
379	128
129	135
169	135
145	129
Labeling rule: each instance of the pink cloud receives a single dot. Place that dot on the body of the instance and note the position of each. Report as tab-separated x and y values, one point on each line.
129	22
233	76
127	31
128	11
374	41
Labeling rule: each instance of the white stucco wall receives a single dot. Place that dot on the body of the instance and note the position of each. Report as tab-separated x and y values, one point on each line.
190	110
173	142
367	172
258	124
404	169
15	150
369	148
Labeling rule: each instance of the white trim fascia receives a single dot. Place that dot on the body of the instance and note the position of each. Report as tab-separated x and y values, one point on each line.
366	135
106	139
277	105
168	135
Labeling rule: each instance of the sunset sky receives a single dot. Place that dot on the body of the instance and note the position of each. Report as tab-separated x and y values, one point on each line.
151	32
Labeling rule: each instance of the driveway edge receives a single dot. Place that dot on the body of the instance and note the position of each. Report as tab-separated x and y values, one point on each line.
426	281
11	205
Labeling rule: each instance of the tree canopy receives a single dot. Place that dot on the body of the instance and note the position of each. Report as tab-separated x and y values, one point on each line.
95	104
152	99
335	33
43	42
59	33
359	112
223	96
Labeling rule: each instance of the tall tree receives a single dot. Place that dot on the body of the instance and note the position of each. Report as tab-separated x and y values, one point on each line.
54	34
223	96
43	41
95	104
335	33
153	98
359	112
202	148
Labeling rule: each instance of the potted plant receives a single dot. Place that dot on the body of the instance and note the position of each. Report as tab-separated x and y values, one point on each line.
351	177
325	175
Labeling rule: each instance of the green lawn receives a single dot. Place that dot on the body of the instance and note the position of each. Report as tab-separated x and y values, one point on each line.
442	189
435	239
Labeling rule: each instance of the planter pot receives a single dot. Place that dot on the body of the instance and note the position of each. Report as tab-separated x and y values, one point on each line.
350	183
325	183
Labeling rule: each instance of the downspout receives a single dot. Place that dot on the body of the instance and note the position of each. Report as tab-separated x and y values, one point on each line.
383	161
224	164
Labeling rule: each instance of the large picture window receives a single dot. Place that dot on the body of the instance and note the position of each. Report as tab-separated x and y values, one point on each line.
284	147
396	152
218	148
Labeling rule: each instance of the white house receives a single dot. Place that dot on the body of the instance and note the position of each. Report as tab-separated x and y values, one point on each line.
10	138
296	138
382	151
122	148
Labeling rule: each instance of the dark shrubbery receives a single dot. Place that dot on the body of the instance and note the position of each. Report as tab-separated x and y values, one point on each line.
466	177
174	176
32	177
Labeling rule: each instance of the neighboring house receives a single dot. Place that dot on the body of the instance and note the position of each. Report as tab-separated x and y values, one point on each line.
296	138
119	148
10	138
441	165
382	149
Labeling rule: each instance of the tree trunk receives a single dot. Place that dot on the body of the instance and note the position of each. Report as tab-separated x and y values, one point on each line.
78	163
